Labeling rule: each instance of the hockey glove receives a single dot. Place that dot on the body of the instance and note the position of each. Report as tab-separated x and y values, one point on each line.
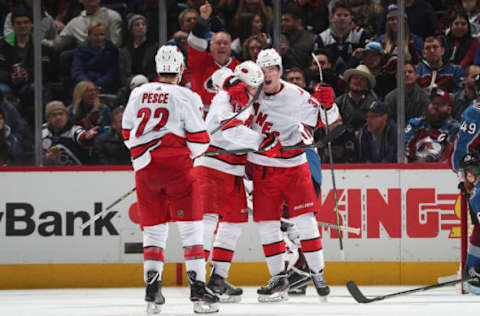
324	94
271	146
237	90
464	188
306	132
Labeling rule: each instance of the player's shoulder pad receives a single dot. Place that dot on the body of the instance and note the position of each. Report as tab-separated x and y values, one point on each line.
472	112
416	121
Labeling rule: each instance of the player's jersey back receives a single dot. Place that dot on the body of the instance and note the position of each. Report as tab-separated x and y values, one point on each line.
164	116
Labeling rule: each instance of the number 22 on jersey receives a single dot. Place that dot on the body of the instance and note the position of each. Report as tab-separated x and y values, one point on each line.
160	114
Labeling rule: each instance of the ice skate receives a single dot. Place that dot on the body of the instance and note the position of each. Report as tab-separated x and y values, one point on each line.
226	292
473	287
298	281
153	293
275	290
204	300
320	284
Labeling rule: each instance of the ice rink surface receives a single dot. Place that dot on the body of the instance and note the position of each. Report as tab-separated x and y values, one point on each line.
129	302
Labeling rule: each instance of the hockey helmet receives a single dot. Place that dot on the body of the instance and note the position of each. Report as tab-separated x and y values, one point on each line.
169	59
269	57
470	163
250	73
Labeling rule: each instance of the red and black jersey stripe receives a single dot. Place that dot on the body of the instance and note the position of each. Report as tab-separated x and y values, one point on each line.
274	249
153	253
235	160
139	150
222	255
311	245
193	252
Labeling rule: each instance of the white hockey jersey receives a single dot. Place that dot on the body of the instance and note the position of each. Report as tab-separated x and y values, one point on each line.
163	115
281	113
235	135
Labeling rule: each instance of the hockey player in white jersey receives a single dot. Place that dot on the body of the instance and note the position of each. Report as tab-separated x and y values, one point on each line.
164	130
220	191
283	107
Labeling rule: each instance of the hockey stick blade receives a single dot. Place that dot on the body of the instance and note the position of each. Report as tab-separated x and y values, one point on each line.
337	131
360	298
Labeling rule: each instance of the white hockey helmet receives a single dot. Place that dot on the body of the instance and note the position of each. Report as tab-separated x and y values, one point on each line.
250	73
269	57
169	59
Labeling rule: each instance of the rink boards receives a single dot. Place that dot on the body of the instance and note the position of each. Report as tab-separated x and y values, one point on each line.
408	216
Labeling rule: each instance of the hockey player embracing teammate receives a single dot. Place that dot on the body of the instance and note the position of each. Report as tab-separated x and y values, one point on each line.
283	111
220	192
164	130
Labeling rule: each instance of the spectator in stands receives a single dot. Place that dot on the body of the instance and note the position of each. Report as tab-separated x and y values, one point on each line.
48	28
381	66
342	37
377	140
138	55
96	59
422	19
463	98
460	46
109	148
86	110
3	15
416	99
433	72
324	58
413	43
187	20
12	118
124	93
472	7
315	13
251	24
296	76
255	7
63	143
296	43
17	63
76	31
202	63
353	104
428	137
9	143
366	14
344	146
63	11
252	47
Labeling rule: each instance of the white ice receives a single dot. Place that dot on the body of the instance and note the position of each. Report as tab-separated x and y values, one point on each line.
129	302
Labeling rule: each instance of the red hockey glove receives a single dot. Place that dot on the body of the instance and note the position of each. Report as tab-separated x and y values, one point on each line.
324	94
271	146
237	90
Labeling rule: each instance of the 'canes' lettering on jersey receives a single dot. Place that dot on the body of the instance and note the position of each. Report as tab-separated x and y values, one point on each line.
166	116
281	113
468	136
235	135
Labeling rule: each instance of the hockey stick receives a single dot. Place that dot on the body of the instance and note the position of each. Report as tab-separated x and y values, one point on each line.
360	298
337	131
255	97
332	170
343	228
98	215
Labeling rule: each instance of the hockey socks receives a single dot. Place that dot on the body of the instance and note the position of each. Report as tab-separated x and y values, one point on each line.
210	221
224	247
154	240
191	234
310	241
273	246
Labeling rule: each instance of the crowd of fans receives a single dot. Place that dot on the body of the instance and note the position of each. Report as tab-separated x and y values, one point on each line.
94	53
